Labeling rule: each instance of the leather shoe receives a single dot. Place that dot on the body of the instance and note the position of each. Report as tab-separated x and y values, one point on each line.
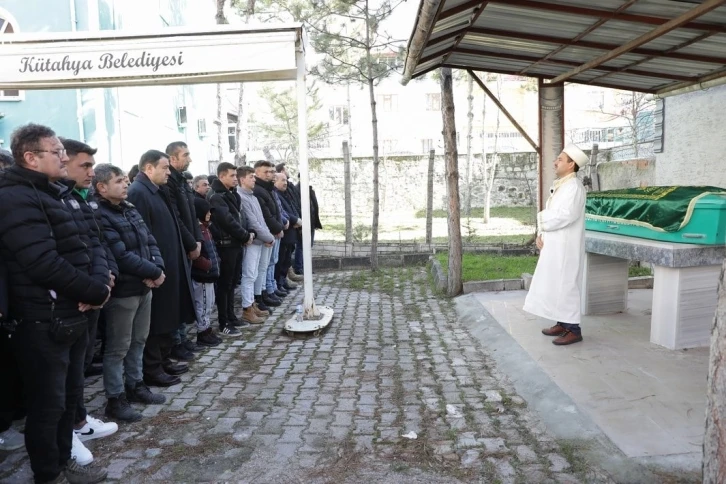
567	339
271	300
161	379
281	293
175	370
179	352
556	330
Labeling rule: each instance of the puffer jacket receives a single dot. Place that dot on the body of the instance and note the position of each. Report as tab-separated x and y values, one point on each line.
133	246
228	223
263	192
51	262
89	207
206	267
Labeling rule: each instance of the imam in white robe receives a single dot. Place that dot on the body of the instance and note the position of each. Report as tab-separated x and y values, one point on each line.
556	285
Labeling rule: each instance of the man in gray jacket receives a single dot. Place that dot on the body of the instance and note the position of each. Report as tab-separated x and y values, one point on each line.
252	262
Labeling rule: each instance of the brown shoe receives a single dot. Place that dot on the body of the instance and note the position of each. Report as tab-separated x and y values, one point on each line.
293	276
567	339
250	316
556	330
263	313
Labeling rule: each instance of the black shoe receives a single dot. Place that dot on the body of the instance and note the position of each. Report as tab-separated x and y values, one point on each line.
175	370
280	292
75	473
286	286
161	379
141	394
207	338
271	300
119	409
190	345
93	370
179	352
231	332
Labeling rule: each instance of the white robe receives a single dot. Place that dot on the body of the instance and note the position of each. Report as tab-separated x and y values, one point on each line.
556	285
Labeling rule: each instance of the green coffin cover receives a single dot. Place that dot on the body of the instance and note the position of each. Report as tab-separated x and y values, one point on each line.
661	209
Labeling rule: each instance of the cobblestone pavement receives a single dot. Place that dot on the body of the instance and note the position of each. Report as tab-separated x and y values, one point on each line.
269	408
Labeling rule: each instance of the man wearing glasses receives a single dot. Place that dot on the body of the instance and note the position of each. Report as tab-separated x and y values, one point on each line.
53	284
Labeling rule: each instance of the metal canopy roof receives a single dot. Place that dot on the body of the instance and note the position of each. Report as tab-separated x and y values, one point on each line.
653	46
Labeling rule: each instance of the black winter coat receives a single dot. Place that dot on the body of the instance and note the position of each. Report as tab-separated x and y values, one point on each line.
182	202
314	211
173	302
228	226
288	206
44	243
133	247
3	292
93	220
270	210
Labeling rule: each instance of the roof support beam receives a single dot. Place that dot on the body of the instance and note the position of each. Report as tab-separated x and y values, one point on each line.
503	109
680	21
526	58
460	8
472	21
428	15
607	14
594	45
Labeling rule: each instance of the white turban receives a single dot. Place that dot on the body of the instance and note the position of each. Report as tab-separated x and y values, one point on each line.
577	155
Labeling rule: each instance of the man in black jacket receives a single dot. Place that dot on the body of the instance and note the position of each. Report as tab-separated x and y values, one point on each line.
128	312
55	277
182	201
287	247
230	235
173	301
264	184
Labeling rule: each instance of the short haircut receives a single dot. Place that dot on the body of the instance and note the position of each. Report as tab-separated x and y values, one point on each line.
74	147
279	167
27	138
243	171
187	176
133	172
105	172
6	159
224	167
198	179
151	157
172	148
264	163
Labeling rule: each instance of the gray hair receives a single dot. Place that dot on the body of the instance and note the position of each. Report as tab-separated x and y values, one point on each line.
105	172
199	178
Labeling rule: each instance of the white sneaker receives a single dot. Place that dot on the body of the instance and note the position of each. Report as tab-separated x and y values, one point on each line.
79	452
11	439
95	429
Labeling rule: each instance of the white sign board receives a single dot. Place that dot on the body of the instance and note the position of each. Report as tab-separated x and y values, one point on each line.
163	58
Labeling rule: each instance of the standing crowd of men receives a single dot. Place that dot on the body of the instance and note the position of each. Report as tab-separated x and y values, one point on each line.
135	258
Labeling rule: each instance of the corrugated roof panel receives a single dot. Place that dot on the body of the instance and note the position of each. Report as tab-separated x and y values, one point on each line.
674	66
671	9
640	81
711	46
427	65
455	22
438	48
511	46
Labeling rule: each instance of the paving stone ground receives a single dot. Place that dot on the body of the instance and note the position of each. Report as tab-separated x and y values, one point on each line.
335	408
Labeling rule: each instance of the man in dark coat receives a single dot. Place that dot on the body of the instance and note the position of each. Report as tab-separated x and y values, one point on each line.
230	236
182	202
173	301
293	191
287	247
55	276
264	183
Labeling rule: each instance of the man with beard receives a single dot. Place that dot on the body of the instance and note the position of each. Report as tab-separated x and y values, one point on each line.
173	301
182	202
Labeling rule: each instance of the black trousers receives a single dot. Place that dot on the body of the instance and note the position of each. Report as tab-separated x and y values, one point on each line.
11	386
53	378
230	267
81	412
156	351
284	262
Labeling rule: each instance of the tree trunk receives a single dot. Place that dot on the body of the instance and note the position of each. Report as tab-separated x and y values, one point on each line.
469	154
374	125
239	153
430	197
491	166
346	182
220	17
484	162
455	284
714	444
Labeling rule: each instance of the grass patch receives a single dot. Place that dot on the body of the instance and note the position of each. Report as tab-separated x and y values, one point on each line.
516	239
523	215
483	267
637	271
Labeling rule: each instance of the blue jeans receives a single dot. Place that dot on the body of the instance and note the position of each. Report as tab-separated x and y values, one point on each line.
271	285
127	327
298	264
575	328
261	281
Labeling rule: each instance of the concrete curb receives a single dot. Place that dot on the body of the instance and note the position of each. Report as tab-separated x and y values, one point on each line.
441	280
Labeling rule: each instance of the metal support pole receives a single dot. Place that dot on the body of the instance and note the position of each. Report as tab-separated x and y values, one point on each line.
552	134
309	311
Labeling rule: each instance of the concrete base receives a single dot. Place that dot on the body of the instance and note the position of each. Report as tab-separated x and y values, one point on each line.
606	285
310	325
684	304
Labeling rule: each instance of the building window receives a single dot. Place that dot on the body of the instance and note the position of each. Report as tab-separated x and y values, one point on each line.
433	102
389	102
338	114
8	25
427	145
232	132
202	127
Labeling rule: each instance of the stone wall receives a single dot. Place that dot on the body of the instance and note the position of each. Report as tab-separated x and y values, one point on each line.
627	174
403	183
